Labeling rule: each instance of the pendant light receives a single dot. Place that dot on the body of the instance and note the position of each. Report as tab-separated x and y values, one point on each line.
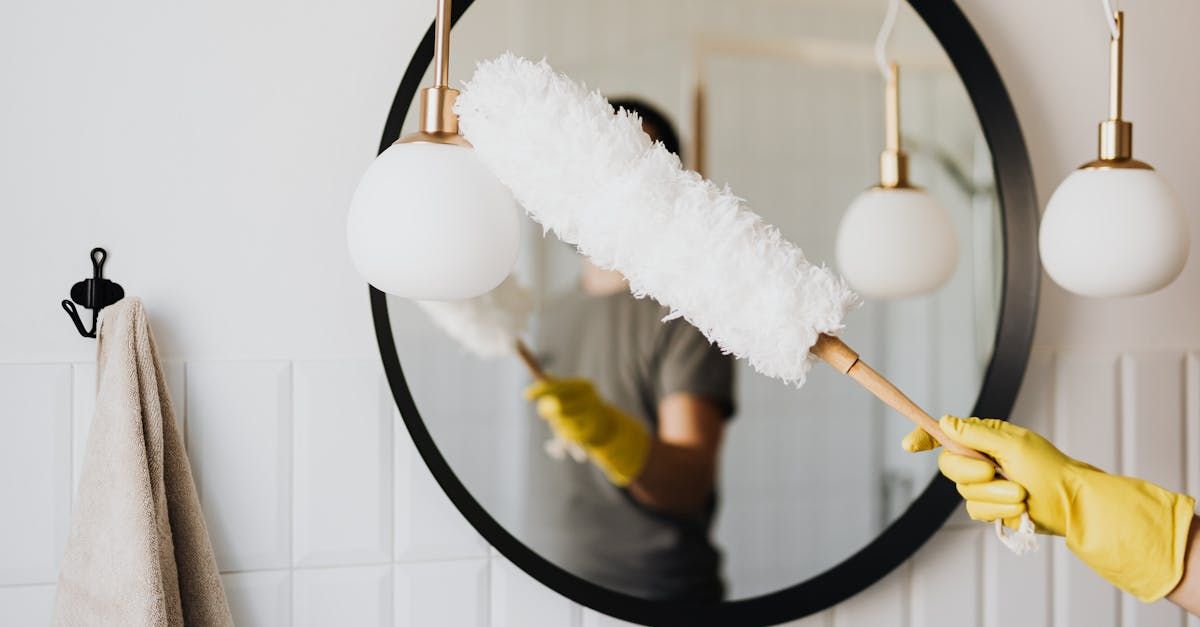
895	240
428	220
1114	227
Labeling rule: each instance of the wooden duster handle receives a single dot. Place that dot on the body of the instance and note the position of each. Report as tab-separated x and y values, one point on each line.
530	361
843	358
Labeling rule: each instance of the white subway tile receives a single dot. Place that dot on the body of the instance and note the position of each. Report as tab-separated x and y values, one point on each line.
239	424
359	596
884	604
26	605
1085	427
453	592
946	580
518	600
260	598
343	464
35	470
428	527
83	401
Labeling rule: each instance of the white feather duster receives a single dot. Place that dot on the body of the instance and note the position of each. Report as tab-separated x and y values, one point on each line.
489	325
598	182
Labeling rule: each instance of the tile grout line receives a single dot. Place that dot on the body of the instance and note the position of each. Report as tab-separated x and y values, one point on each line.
291	487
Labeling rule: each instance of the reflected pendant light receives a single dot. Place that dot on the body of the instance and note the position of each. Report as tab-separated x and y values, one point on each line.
895	240
428	220
1113	227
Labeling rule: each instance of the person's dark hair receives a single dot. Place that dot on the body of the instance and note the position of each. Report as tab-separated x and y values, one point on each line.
654	118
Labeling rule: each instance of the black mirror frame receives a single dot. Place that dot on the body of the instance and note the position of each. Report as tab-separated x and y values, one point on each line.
925	515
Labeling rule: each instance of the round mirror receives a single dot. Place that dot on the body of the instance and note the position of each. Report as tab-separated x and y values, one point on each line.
758	502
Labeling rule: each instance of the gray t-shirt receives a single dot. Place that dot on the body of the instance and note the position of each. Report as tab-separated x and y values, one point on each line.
577	518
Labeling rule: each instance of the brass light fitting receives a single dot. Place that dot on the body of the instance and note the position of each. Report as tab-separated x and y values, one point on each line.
893	163
1116	135
439	124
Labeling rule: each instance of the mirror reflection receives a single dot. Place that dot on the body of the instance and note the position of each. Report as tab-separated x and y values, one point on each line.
648	462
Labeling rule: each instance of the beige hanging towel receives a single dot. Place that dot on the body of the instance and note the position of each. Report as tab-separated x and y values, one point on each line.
138	553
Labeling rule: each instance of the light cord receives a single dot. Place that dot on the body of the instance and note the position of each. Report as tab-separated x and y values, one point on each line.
1111	18
885	33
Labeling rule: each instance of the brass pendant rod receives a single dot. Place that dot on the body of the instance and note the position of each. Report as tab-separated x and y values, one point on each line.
441	45
1116	134
439	124
893	163
891	107
1116	63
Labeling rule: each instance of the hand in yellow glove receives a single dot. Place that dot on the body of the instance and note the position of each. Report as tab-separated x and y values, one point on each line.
617	443
1133	533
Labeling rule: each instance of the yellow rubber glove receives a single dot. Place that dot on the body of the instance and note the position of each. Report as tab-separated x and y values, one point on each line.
617	443
1132	532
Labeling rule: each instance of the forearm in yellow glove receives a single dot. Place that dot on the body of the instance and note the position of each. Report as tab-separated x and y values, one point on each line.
1131	532
617	443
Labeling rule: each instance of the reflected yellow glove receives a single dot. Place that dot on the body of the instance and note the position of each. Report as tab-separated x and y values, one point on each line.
1132	532
617	443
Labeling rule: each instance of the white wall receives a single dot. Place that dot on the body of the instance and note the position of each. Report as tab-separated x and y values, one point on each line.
213	146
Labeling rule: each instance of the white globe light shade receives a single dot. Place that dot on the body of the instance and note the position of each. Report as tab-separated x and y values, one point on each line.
430	222
896	243
1113	232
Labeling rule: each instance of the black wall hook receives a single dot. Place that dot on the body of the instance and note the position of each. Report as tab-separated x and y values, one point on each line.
95	293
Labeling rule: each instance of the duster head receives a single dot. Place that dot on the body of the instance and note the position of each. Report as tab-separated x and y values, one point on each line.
594	178
487	325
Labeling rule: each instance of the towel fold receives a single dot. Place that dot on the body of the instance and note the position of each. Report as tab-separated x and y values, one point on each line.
138	552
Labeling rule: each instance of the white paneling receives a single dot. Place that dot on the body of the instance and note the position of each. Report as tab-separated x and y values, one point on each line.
884	604
520	601
26	605
259	599
35	470
343	464
428	527
1153	448
1152	418
239	423
84	407
1016	589
359	596
1192	424
945	580
1085	427
453	592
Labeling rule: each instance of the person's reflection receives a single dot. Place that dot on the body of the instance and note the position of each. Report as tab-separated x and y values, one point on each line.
648	400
